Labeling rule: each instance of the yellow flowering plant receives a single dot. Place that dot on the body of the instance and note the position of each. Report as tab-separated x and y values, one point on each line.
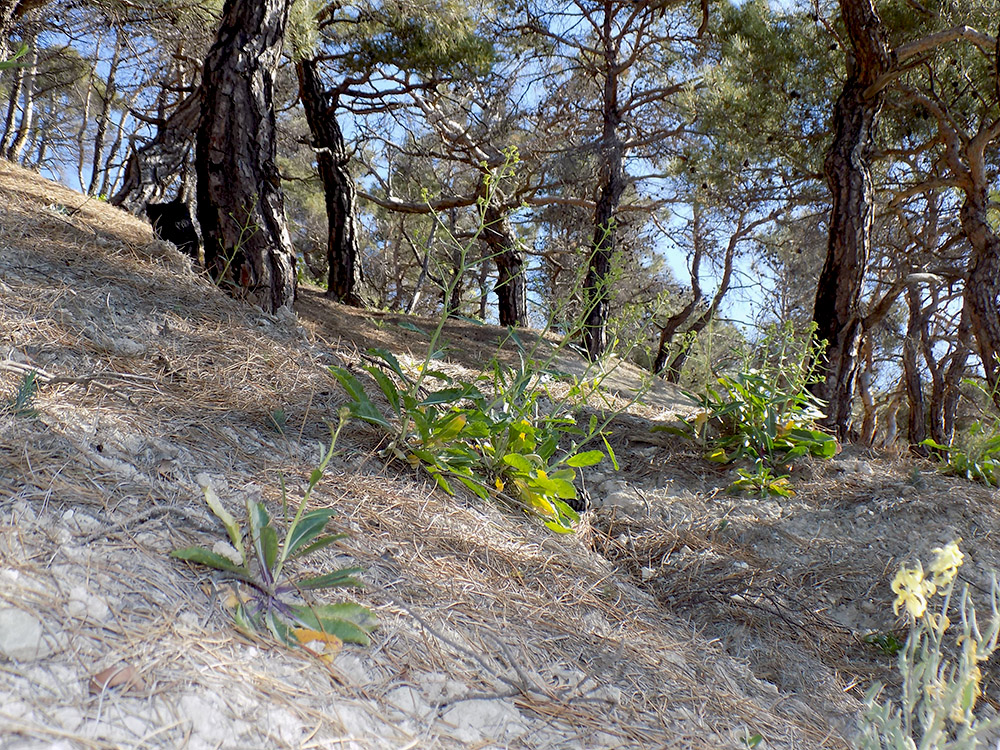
938	695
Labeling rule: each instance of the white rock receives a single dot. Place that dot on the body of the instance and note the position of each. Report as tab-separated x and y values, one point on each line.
21	636
82	602
475	720
408	700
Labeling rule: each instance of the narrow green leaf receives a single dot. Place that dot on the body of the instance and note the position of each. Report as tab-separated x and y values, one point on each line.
445	396
211	559
387	385
310	526
232	526
318	545
341	577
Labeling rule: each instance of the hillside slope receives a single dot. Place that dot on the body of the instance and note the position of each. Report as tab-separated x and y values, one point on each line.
649	628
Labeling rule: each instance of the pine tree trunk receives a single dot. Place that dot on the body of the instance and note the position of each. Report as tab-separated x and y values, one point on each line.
596	286
506	252
982	284
240	203
851	214
157	162
345	274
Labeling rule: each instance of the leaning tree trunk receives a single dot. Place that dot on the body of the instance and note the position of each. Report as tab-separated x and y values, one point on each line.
240	202
153	165
507	254
345	274
982	285
847	168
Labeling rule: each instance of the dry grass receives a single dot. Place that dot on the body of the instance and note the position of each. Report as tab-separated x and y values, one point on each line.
151	376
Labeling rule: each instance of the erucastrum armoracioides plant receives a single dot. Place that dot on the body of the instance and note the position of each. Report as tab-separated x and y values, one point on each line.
497	445
939	665
764	412
270	599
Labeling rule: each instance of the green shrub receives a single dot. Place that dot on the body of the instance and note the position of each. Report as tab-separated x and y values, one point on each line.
765	413
499	445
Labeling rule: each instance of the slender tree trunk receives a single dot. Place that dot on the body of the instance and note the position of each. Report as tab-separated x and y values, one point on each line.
345	274
240	202
153	165
507	254
596	285
847	168
107	185
28	106
12	99
915	331
104	118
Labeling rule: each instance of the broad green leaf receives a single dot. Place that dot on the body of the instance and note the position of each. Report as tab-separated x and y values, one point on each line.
232	527
610	451
310	526
265	540
341	577
587	458
211	559
451	429
322	616
390	359
475	486
408	326
517	461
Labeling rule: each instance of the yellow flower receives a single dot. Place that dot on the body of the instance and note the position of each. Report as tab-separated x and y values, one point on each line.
947	561
911	591
499	484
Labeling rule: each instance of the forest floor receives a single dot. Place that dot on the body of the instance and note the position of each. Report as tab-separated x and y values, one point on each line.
678	616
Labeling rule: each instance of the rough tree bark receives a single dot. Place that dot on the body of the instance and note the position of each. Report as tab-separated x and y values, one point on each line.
153	165
240	202
507	254
345	274
916	428
848	173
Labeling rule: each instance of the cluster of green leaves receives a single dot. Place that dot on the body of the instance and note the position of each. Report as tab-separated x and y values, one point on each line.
275	601
765	413
498	445
20	403
975	455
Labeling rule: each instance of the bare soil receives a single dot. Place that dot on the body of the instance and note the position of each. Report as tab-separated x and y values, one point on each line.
677	616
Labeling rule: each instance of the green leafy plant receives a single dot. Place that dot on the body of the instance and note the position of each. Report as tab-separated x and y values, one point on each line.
937	700
887	643
765	412
20	403
975	454
275	602
497	445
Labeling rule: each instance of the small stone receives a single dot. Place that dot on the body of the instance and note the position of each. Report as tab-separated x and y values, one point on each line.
21	636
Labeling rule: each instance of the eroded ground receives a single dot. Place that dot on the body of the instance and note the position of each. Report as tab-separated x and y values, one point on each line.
678	616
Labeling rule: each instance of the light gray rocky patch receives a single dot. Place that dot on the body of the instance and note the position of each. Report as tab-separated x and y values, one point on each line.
21	636
476	720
